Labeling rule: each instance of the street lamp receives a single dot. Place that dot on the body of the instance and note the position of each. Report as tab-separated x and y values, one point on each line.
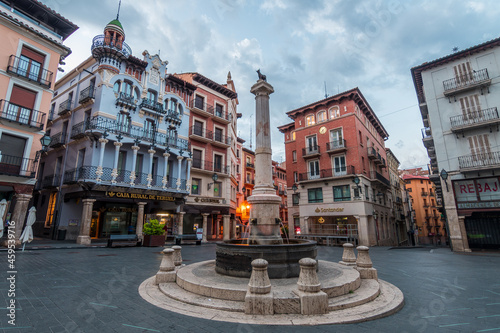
45	141
444	176
214	178
294	188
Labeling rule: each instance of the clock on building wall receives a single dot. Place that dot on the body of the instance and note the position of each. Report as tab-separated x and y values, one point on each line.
322	130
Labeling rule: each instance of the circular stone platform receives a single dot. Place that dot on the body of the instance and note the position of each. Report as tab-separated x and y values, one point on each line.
199	291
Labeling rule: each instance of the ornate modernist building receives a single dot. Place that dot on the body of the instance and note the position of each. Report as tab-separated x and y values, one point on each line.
119	152
32	37
459	101
336	167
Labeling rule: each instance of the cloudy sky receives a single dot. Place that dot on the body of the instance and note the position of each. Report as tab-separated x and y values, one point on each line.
301	46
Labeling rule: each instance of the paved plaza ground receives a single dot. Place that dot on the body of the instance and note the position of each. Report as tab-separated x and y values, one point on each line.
76	289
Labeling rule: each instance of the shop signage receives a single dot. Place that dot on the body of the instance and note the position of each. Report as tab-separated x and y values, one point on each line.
329	210
209	200
474	205
321	220
126	195
485	189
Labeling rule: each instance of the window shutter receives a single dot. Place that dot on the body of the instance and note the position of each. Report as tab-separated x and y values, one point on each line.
38	57
23	97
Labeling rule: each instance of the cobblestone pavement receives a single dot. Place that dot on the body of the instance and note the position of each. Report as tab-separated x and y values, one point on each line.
95	290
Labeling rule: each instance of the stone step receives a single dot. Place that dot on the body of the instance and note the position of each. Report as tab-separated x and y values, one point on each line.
367	292
175	292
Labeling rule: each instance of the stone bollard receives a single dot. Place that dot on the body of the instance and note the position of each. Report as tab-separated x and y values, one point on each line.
177	256
312	299
259	299
364	264
348	257
167	268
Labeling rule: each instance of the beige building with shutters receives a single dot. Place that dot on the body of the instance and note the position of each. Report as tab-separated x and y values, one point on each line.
459	97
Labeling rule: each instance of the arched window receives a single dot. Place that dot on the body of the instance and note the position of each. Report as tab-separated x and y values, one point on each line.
293	136
334	112
321	116
116	87
127	88
310	120
149	129
151	95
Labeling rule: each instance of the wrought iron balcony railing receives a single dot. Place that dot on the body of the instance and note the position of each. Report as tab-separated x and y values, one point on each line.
87	94
470	79
30	70
100	41
65	106
17	166
209	166
335	145
310	151
50	181
479	161
221	138
378	176
474	118
125	99
328	173
197	104
201	132
152	105
16	113
250	165
57	140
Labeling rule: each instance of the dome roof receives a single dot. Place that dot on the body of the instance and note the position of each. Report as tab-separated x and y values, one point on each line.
115	25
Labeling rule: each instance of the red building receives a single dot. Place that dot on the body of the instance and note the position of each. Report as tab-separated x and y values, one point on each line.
336	166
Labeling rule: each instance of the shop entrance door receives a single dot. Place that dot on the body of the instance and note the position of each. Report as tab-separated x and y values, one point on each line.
483	230
94	224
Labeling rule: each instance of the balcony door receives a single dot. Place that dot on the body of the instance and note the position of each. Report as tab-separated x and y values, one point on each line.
20	109
339	167
313	168
312	145
197	158
480	149
12	152
336	138
470	108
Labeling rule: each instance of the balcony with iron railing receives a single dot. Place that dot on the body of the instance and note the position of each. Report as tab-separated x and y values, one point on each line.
374	155
126	100
57	140
327	173
87	94
64	107
89	174
173	117
311	151
427	137
50	181
152	105
221	140
250	165
17	166
15	113
209	166
374	175
424	194
30	70
197	105
102	124
479	161
336	146
467	81
249	181
102	46
475	119
200	133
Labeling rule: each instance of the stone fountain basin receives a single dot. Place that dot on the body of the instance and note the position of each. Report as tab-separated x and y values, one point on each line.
234	257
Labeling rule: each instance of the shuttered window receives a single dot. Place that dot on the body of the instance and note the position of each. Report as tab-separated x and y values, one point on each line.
470	106
479	146
21	104
463	72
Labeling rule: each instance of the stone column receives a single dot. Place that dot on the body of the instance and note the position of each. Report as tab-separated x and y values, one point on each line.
114	173
177	255
264	201
363	230
226	233
151	153
140	220
205	226
312	299
463	231
84	236
179	163
167	268
180	226
134	160
188	174
304	225
19	214
364	264
165	170
99	171
259	299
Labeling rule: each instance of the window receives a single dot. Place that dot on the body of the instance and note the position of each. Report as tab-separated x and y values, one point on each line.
218	136
334	112
20	107
149	129
463	73
480	147
198	128
197	158
127	89
294	156
313	169
80	158
151	96
342	193
138	164
219	110
321	116
123	122
336	140
199	102
50	210
310	120
238	153
367	195
293	136
360	138
116	87
295	177
312	145
339	167
315	195
12	152
217	163
295	199
195	186
30	64
217	189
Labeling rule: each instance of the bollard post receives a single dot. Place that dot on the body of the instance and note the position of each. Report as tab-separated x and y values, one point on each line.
364	264
259	299
312	299
177	256
167	268
348	257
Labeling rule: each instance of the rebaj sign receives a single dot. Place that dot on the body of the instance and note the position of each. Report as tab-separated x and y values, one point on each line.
472	193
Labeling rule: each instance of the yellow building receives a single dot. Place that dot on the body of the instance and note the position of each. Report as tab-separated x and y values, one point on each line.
430	228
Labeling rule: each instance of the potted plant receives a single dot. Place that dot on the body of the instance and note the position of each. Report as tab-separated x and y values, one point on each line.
153	233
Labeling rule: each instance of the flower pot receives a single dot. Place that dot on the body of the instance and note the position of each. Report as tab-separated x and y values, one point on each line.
153	240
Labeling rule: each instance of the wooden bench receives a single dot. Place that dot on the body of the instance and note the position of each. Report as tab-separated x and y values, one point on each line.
123	240
189	237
